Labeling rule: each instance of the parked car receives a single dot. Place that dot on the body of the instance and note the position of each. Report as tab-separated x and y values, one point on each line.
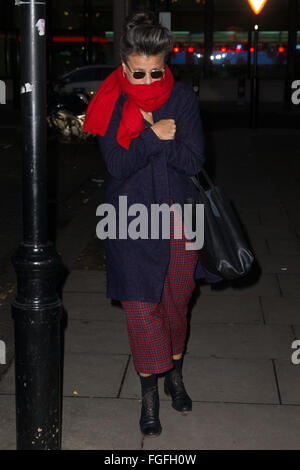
85	79
66	114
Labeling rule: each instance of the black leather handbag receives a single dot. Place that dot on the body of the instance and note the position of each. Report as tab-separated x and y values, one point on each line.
225	250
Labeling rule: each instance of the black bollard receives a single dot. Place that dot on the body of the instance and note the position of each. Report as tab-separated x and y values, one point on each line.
36	309
254	84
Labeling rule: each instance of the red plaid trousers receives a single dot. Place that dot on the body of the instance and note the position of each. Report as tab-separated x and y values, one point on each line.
157	331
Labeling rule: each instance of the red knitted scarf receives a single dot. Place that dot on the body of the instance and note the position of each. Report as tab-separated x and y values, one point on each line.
147	97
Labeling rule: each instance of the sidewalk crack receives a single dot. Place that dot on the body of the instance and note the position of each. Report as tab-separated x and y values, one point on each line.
124	375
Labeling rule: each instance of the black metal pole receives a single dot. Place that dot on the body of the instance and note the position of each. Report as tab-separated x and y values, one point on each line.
249	54
254	83
88	13
291	52
37	308
155	7
49	40
208	37
6	25
121	8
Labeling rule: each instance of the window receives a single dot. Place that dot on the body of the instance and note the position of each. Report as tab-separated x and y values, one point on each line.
85	75
103	73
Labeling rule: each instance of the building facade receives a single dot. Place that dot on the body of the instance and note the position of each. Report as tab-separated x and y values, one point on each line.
212	38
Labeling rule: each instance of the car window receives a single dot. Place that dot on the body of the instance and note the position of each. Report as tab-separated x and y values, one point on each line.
86	75
102	73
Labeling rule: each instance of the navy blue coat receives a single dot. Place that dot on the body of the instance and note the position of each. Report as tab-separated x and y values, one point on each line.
150	171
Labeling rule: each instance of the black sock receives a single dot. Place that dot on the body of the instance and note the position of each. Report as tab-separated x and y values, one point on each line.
148	382
178	364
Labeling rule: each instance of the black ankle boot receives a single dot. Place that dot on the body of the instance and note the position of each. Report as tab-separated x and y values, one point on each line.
174	386
149	421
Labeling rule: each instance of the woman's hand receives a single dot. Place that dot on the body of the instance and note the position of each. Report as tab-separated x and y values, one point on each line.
147	116
165	129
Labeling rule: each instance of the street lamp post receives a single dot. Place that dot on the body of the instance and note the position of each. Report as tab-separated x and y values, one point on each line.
121	8
208	37
88	22
36	309
256	6
254	83
291	51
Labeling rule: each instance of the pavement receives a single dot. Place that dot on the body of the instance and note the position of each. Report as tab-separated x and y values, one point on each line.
238	365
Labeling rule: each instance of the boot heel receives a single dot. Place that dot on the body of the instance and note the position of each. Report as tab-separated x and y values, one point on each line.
174	386
166	390
149	421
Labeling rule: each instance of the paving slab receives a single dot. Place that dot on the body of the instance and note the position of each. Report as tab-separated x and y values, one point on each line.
68	243
296	328
273	224
85	281
266	284
270	214
240	341
265	206
238	366
89	375
290	197
97	423
7	344
277	263
293	212
290	284
281	310
217	380
297	229
101	423
97	337
285	231
233	309
259	245
288	375
91	306
248	216
223	426
242	196
94	375
284	247
8	422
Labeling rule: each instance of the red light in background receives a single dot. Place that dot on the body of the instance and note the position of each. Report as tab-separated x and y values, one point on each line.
223	49
68	39
99	39
78	39
280	49
190	49
176	49
251	49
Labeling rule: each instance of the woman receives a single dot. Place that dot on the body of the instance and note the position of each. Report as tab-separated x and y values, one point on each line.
150	135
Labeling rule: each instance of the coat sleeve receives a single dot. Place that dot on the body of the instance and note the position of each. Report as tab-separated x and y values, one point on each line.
121	162
189	138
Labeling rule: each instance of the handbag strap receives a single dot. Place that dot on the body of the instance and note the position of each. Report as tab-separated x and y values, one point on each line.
196	179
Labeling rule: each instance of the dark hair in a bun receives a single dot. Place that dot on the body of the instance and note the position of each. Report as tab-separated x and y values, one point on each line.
143	34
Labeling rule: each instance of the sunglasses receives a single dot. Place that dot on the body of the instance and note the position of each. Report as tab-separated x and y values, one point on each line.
139	74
